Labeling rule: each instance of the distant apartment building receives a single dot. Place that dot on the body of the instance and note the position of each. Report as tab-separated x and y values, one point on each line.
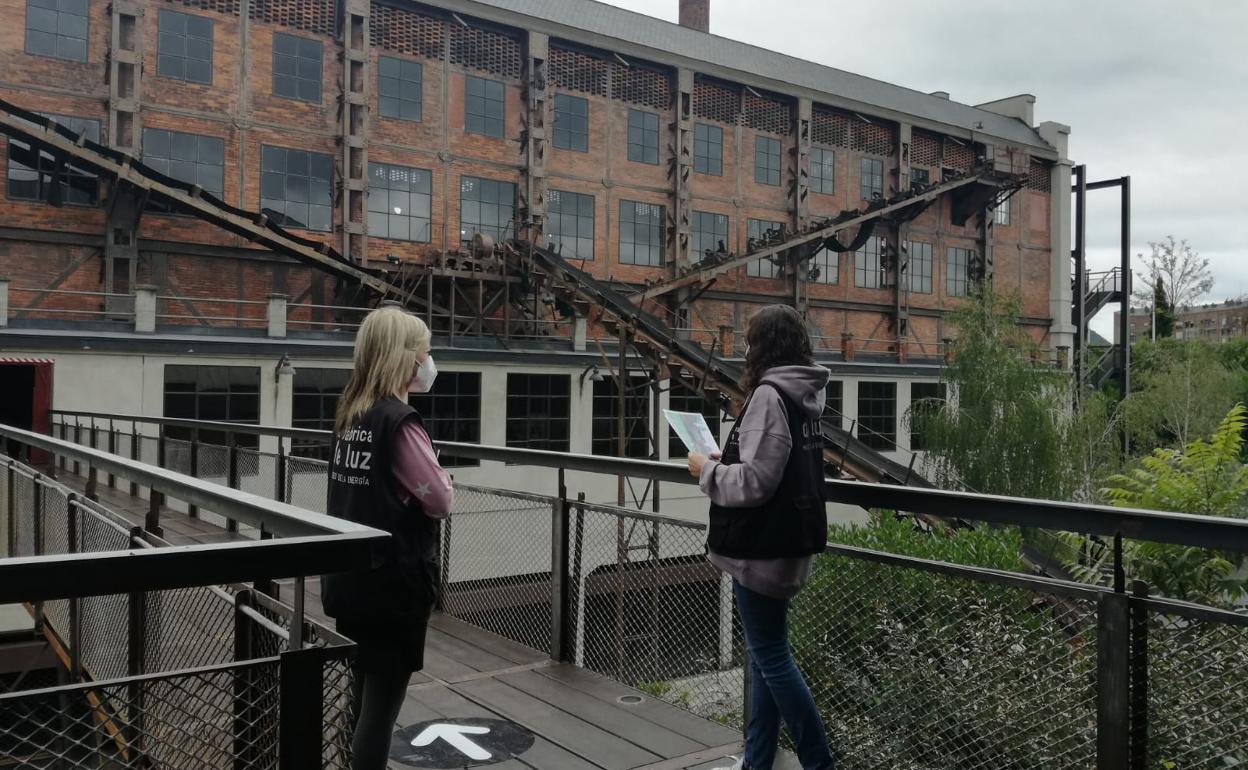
1214	322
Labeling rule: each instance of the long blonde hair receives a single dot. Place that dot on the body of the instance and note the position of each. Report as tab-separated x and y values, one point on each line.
386	347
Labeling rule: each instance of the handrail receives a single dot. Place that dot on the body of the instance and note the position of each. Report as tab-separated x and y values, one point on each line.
1160	526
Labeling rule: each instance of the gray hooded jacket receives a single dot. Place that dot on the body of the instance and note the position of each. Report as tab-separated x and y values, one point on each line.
765	443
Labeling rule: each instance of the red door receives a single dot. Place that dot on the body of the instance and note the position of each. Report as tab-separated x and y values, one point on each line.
26	396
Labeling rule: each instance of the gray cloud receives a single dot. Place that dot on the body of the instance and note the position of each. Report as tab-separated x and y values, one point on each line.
1157	90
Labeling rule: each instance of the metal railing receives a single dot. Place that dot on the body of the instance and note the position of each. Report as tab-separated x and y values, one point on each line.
169	661
913	663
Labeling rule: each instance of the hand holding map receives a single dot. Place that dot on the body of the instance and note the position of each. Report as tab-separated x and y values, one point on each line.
693	431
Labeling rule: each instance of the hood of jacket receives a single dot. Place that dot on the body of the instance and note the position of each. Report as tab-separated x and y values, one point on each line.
807	385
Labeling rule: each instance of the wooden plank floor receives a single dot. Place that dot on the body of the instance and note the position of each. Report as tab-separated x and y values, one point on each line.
580	720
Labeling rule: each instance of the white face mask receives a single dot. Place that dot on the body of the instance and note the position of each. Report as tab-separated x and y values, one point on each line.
426	373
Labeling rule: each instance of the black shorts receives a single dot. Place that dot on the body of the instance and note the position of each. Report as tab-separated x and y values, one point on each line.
390	644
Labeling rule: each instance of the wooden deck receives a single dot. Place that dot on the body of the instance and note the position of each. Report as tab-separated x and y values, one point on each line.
580	720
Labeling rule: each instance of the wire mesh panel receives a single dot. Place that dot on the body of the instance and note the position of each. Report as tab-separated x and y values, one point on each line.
187	628
337	719
5	514
496	563
178	455
651	612
23	514
104	636
257	473
307	483
1198	692
912	668
183	720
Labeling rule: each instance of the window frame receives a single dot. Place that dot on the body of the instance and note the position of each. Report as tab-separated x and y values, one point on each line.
939	393
604	420
643	136
57	36
529	420
498	233
493	93
235	396
871	251
384	208
558	217
573	128
824	259
185	57
683	397
320	159
43	188
324	392
703	161
957	274
401	99
458	393
297	77
166	164
768	160
919	253
884	439
870	178
1002	215
719	229
754	231
823	183
656	223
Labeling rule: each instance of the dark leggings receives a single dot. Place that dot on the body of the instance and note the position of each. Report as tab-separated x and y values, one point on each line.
378	696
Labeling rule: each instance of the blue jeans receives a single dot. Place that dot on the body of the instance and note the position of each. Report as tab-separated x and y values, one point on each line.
777	689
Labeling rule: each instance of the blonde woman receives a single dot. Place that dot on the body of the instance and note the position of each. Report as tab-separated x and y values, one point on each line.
385	474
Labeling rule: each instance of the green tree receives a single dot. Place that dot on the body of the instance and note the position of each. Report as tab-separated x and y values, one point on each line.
1180	390
1205	477
1009	426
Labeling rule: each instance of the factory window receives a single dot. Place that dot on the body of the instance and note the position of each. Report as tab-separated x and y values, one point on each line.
296	67
825	267
571	123
314	400
184	47
295	187
643	137
708	149
484	107
919	178
570	223
452	412
871	179
31	172
709	233
57	28
834	401
606	433
641	233
919	267
760	232
215	393
877	414
398	202
822	170
684	397
538	411
767	160
925	398
486	206
189	158
867	268
399	88
1002	216
956	273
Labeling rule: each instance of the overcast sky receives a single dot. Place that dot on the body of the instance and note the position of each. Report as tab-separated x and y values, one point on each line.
1151	89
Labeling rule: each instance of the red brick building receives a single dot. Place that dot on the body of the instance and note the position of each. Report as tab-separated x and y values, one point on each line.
395	130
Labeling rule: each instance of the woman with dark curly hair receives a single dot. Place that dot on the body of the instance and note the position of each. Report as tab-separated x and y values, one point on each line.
767	521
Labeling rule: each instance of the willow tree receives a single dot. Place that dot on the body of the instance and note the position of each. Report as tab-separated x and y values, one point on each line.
1009	426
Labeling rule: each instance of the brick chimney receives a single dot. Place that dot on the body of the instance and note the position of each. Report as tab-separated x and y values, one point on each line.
696	14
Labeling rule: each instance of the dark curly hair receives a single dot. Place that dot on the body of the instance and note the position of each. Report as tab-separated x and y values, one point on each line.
776	336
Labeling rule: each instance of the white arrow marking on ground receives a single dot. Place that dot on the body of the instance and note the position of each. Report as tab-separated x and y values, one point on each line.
457	736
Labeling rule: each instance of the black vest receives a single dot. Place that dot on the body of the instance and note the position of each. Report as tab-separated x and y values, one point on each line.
403	580
793	522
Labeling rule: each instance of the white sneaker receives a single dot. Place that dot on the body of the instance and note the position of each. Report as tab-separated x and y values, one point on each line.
738	765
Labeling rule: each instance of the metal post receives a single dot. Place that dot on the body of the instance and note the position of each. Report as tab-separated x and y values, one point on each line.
192	510
1120	574
279	486
299	727
36	503
137	638
93	484
75	606
560	508
1113	697
78	441
576	616
10	504
231	473
136	447
1138	658
621	402
1081	200
1124	315
112	450
296	618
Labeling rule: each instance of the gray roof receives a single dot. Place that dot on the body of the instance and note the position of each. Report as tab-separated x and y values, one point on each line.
750	62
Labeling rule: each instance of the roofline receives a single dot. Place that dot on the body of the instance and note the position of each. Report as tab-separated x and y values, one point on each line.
623	46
